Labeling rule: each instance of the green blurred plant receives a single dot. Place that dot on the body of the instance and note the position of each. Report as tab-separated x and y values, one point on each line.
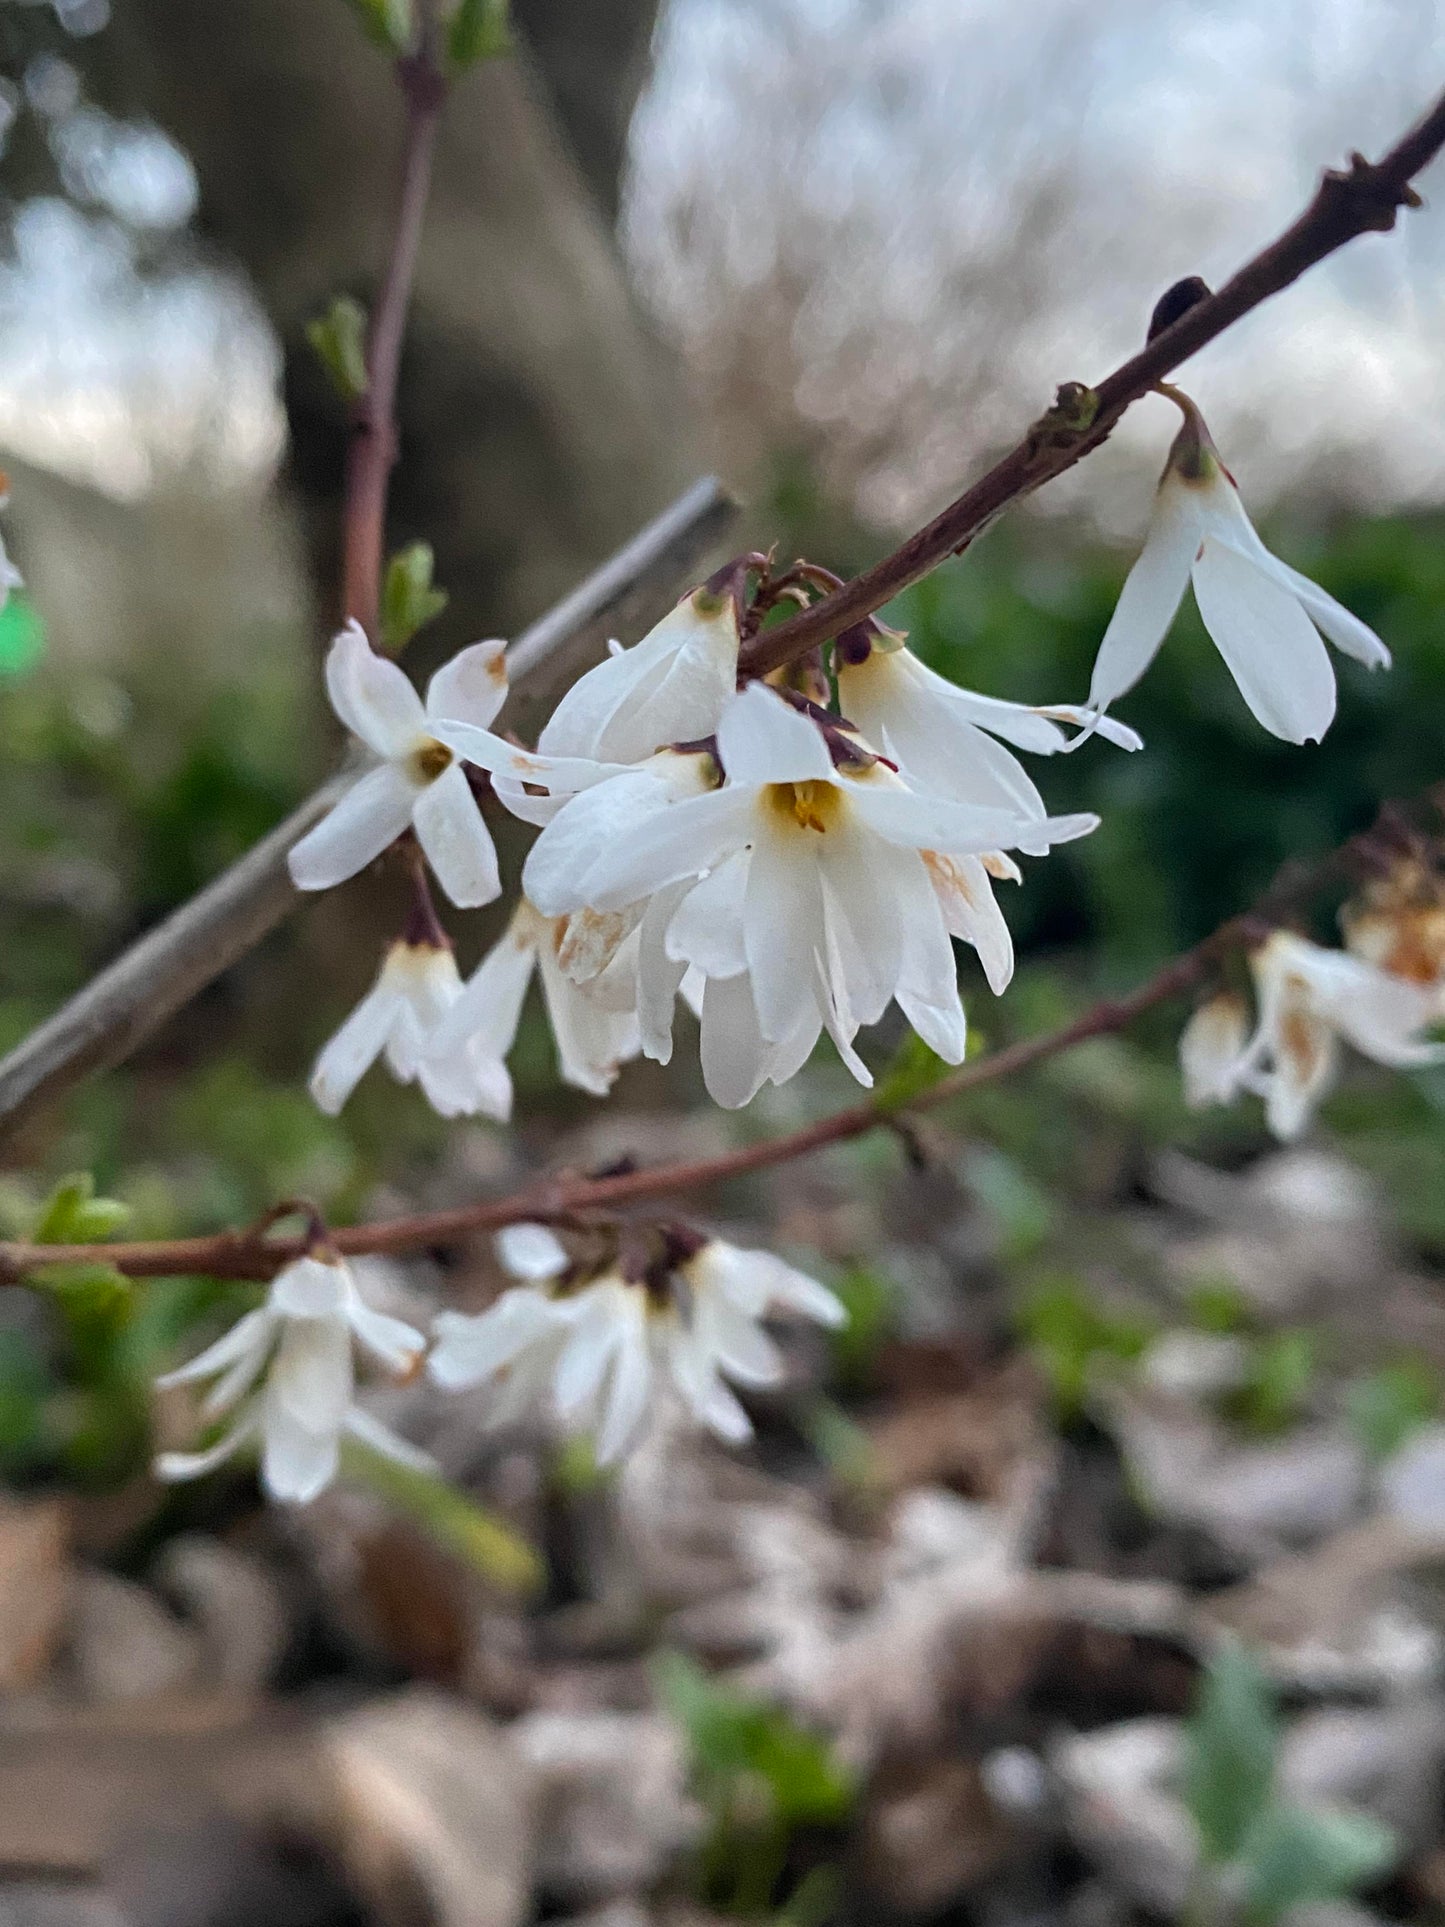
1068	1332
1259	1854
1386	1406
760	1778
1281	1376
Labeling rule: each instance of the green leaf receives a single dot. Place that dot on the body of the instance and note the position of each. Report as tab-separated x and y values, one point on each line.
1390	1404
408	598
456	1522
387	22
1232	1741
85	1291
869	1300
1067	1331
73	1215
1275	1392
478	30
1296	1855
914	1069
338	340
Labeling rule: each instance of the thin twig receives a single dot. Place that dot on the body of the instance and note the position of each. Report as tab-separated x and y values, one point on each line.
372	449
1362	199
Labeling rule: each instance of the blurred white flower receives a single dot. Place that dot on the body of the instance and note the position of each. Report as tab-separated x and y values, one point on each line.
594	1025
299	1344
942	737
594	1352
420	783
1211	1050
1265	618
669	688
832	914
1309	999
415	988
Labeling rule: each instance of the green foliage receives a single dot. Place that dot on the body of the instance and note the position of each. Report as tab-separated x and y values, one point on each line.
338	340
843	1446
1218	1305
1276	1856
869	1300
760	1778
1297	1856
1067	1332
914	1069
1232	1742
1276	1390
478	30
74	1215
386	22
1388	1405
457	1523
409	599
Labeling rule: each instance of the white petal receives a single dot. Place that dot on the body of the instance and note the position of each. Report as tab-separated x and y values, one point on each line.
1272	648
706	1396
311	1375
681	841
863	885
918	822
763	739
392	1341
494	753
472	687
735	1054
1151	594
470	1084
370	1431
707	928
469	1350
490	1006
310	1288
659	976
592	1041
740	1346
624	1408
367	820
784	930
345	1060
248	1337
458	845
670	688
372	696
171	1466
1343	628
1211	1049
927	988
296	1462
600	1322
531	1251
589	828
970	912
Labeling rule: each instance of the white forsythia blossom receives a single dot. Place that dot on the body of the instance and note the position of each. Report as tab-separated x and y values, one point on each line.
595	1349
415	988
806	869
1399	924
594	1025
419	782
1309	999
670	688
1210	1048
299	1345
942	736
1265	618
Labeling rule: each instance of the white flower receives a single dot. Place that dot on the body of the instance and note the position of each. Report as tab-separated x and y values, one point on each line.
593	1025
419	782
299	1344
671	687
415	988
833	913
594	1353
1309	998
942	737
1211	1050
1265	617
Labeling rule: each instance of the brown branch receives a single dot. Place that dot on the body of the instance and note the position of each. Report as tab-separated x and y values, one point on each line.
1362	199
372	449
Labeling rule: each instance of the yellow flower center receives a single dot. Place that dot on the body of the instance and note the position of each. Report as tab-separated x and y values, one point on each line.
431	760
806	806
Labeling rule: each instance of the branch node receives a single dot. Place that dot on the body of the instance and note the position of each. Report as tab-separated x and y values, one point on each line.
1066	421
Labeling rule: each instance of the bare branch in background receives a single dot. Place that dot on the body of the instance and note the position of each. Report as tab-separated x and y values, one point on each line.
103	1023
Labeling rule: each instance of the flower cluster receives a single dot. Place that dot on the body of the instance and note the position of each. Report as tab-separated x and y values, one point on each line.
589	1340
1307	1001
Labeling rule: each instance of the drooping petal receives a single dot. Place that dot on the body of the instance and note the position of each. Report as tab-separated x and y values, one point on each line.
250	1335
966	899
369	1430
469	1350
588	829
489	1008
297	1463
763	739
368	819
704	1393
310	1288
1211	1050
372	696
738	1344
593	1041
734	1053
784	930
624	1403
311	1375
927	987
1272	648
391	1341
472	687
659	976
345	1060
918	822
467	1083
172	1466
1151	594
563	775
863	883
707	928
456	841
601	1315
